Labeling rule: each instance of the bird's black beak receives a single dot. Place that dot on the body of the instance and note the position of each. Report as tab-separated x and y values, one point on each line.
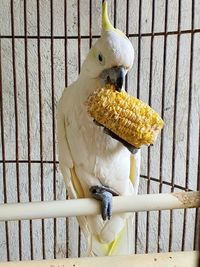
115	76
120	79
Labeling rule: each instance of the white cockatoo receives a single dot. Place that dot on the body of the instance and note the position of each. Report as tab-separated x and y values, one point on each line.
93	161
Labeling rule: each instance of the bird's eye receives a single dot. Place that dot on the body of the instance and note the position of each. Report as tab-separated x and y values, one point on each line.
101	59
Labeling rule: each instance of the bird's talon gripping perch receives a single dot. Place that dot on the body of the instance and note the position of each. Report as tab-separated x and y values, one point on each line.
130	147
104	194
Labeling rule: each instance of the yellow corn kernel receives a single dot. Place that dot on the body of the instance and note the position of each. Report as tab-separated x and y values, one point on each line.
126	116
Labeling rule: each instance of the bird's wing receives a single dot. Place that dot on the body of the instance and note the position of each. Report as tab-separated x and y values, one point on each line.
66	166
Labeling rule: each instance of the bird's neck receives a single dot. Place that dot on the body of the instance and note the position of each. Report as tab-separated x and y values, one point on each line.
87	85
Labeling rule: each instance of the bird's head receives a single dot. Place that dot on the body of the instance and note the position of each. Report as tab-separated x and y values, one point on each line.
111	57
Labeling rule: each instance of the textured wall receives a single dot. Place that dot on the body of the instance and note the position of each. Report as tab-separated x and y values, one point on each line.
34	72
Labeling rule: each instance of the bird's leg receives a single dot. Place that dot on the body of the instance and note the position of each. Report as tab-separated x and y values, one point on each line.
104	194
130	147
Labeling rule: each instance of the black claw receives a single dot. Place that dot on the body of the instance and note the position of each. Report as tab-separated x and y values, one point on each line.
104	209
109	210
97	123
106	205
105	195
130	147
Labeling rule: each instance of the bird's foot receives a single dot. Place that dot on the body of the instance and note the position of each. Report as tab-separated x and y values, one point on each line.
130	147
104	194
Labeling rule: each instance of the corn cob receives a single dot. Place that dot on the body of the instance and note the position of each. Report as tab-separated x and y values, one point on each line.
126	116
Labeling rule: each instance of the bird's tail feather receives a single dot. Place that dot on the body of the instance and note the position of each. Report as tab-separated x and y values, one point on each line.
121	245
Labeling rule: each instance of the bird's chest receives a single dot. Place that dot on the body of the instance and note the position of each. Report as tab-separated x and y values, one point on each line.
87	134
96	152
87	140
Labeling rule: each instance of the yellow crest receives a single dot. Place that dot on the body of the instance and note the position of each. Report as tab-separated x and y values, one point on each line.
106	24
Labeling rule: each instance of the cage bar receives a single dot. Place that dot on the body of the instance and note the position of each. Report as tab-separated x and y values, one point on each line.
66	84
190	94
28	120
3	156
162	115
40	98
16	119
174	120
150	103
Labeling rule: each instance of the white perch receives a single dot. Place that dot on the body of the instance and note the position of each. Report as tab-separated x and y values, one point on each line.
171	259
78	207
